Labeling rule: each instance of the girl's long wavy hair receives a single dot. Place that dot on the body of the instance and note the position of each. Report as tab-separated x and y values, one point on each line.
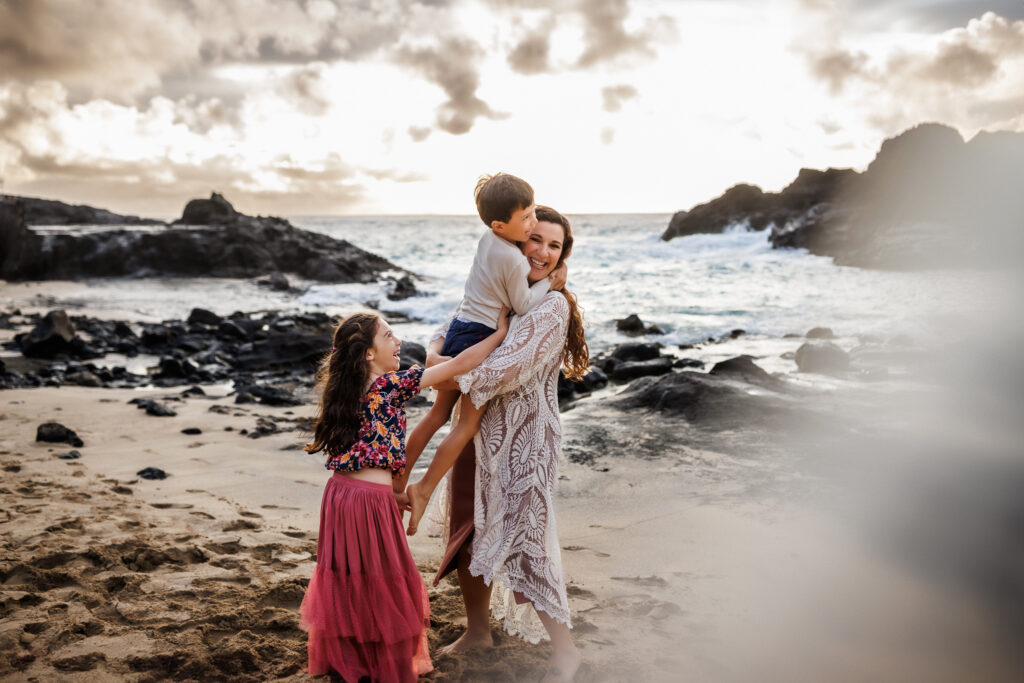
343	376
575	355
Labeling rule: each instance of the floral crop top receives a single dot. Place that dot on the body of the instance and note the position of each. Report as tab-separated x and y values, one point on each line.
381	438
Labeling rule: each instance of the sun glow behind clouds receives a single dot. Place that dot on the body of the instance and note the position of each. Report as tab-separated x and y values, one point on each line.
696	96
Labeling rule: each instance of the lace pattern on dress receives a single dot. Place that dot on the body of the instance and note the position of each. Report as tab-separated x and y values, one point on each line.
515	542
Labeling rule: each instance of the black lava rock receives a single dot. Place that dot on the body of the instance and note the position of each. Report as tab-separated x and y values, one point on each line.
284	350
402	288
54	432
213	211
70	455
745	369
239	246
566	389
152	473
53	336
411	354
203	317
820	333
153	408
267	395
593	380
192	431
629	370
276	281
636	352
821	357
705	400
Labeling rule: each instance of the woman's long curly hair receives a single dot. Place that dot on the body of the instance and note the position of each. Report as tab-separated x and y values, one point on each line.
576	355
343	376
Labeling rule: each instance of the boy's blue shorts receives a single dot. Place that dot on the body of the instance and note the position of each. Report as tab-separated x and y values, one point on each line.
461	335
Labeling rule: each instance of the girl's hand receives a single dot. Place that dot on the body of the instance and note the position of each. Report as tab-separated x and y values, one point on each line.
558	277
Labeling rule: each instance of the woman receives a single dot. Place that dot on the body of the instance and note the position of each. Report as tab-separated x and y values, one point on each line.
502	527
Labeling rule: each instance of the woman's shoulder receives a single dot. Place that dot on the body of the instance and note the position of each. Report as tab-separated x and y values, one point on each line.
555	302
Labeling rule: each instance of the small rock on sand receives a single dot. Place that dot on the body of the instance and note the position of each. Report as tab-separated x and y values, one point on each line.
54	432
152	473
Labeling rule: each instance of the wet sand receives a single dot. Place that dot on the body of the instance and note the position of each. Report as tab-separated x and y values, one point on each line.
676	568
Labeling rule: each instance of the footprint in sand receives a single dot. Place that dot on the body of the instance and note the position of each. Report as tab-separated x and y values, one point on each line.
652	581
577	548
240	525
176	506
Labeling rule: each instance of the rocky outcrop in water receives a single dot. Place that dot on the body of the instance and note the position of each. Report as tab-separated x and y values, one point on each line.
210	240
928	199
51	212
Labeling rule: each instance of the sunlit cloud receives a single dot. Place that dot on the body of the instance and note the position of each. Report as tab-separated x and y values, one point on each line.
403	103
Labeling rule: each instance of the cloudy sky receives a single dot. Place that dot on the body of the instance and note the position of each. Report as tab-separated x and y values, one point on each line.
396	106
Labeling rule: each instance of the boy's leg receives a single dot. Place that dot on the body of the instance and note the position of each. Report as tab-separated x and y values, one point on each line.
421	434
461	434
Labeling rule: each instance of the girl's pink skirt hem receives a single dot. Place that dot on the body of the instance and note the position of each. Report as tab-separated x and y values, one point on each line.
366	608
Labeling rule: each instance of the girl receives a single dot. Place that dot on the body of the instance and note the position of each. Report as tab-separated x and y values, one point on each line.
366	607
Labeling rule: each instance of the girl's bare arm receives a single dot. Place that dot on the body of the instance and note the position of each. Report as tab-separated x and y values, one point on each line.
468	359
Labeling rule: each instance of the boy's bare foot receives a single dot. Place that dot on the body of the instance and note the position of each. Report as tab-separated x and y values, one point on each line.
562	666
467	641
418	500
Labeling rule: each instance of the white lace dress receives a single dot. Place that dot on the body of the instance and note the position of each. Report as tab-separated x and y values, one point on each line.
515	543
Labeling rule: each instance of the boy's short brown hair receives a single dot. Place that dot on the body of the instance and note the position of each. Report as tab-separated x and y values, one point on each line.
500	195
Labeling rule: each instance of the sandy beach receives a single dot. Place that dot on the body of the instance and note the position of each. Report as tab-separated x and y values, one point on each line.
675	571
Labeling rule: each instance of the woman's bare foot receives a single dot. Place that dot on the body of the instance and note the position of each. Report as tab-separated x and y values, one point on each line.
418	499
562	666
467	641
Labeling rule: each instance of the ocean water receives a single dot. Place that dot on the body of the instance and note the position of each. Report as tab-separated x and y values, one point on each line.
691	287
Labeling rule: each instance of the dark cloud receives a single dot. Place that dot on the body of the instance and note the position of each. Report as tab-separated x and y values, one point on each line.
532	54
615	95
200	116
837	66
937	15
993	111
419	133
960	64
306	89
606	37
122	50
396	176
106	49
605	34
967	57
451	66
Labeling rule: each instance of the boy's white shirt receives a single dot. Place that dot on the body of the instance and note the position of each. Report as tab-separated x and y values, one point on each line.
498	278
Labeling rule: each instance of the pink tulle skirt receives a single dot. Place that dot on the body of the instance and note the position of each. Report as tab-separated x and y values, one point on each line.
366	608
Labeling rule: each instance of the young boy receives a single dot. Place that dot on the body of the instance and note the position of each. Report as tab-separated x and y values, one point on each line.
497	278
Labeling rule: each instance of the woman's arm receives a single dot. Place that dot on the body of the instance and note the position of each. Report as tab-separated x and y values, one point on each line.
468	359
537	341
